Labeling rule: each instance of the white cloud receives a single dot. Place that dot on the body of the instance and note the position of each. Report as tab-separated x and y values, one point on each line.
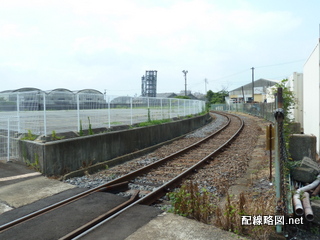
121	39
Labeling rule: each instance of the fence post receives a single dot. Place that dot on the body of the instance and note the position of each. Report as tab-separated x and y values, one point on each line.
78	112
161	108
109	112
178	108
278	181
18	111
8	141
170	116
131	113
44	114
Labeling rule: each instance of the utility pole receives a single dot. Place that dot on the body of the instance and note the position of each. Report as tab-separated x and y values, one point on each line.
185	79
252	84
205	85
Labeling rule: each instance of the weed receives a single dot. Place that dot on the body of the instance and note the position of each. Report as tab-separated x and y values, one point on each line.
81	130
229	217
315	198
29	136
188	201
153	122
90	129
35	165
114	123
315	230
54	136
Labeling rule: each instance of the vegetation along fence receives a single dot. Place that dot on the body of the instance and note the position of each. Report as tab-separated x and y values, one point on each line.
58	111
279	116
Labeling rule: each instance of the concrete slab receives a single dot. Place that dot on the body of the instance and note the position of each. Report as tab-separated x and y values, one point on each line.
173	227
28	191
20	185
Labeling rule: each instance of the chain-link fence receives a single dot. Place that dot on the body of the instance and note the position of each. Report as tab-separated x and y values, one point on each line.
264	110
61	110
8	138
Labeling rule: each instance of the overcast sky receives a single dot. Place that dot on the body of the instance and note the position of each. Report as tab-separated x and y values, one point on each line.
109	44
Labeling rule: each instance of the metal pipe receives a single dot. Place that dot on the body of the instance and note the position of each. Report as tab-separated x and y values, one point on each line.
316	191
312	185
307	207
297	201
298	209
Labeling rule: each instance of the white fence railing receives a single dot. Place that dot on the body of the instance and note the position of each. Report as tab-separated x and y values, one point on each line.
41	113
8	138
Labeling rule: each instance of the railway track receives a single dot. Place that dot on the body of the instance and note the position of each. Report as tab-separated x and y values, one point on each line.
146	184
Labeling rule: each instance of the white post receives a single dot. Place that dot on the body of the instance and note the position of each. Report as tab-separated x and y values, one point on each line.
18	111
44	114
161	108
131	110
170	116
184	107
109	112
8	141
78	112
149	112
194	106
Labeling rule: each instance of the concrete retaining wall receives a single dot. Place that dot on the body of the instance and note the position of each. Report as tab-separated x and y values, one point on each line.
57	158
302	145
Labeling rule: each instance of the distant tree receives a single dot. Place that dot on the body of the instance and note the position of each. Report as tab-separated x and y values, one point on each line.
182	97
217	97
209	95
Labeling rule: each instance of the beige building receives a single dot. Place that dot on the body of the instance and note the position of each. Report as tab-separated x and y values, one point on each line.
244	93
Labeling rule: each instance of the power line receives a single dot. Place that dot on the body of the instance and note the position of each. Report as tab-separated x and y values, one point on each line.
249	69
231	75
281	63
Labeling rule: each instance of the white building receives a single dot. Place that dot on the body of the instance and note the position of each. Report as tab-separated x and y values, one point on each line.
295	84
311	93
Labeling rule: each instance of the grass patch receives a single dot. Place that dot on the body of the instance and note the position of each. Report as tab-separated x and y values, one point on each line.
229	217
30	136
191	202
188	201
153	122
55	137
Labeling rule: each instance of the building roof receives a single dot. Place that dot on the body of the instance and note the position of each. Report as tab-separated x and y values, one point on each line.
166	95
31	89
257	83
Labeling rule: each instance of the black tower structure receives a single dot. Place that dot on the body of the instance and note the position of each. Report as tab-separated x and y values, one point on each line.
149	84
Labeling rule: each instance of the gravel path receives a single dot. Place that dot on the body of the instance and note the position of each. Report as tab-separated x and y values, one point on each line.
102	177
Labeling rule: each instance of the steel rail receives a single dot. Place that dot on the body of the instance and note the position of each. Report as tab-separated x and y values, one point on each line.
114	183
162	190
64	202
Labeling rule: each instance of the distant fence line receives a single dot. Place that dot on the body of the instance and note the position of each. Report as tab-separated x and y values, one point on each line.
264	110
41	113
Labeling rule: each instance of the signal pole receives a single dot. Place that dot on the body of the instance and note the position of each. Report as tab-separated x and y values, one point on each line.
252	84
